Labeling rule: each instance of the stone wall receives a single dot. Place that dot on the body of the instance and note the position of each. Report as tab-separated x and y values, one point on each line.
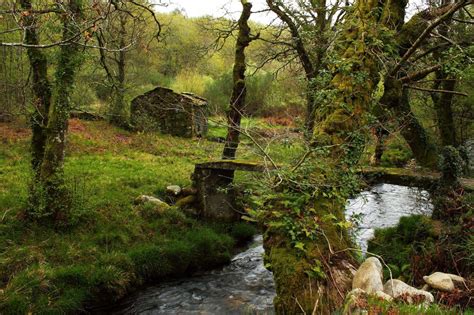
162	109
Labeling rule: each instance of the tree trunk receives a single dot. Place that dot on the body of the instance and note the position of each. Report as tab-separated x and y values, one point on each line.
119	112
239	91
55	196
41	89
380	133
396	98
342	131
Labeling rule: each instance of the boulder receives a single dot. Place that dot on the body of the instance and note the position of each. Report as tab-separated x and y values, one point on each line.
173	190
400	290
443	281
369	276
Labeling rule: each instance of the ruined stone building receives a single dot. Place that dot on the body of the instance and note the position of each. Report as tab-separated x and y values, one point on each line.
178	114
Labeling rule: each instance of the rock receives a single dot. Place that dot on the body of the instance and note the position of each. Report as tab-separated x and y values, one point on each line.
144	199
353	299
186	201
443	281
173	190
383	296
157	209
400	290
369	276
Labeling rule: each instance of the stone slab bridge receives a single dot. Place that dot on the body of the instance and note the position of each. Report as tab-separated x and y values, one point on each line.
408	177
216	195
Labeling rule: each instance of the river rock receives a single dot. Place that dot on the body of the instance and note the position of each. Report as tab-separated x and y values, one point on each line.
173	190
443	281
369	276
399	289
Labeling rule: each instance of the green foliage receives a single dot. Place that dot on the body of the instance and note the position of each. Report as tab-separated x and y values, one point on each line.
413	234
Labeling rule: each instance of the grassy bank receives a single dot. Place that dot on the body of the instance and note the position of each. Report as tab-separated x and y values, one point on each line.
109	245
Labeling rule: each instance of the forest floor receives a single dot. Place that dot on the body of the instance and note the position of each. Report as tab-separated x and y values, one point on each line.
109	245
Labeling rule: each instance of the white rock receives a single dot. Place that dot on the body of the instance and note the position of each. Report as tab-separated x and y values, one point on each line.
396	289
173	190
369	276
443	281
144	198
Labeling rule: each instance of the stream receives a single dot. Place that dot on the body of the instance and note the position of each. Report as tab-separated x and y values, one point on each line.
245	286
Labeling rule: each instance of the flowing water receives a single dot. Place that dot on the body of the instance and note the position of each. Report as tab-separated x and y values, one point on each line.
382	206
245	286
242	287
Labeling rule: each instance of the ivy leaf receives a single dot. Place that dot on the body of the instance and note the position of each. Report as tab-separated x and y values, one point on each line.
300	246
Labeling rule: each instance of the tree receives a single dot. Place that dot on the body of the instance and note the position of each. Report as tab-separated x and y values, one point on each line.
308	25
124	31
49	197
239	90
372	48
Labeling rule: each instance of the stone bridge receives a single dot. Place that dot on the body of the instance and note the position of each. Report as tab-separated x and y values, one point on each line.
216	193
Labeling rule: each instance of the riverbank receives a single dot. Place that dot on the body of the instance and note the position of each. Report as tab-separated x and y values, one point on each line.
109	246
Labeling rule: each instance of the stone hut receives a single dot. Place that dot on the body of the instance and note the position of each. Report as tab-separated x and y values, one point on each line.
177	114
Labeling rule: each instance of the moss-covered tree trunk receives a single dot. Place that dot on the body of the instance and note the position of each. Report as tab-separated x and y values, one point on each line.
119	110
239	90
51	195
443	105
396	98
316	281
41	88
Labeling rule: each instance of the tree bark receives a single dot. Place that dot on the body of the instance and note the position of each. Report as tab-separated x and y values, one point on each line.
41	89
54	194
239	91
396	98
119	112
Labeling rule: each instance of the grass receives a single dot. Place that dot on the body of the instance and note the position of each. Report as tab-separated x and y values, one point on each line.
110	245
